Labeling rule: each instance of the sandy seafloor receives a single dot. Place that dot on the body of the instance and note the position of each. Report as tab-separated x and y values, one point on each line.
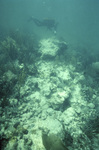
49	101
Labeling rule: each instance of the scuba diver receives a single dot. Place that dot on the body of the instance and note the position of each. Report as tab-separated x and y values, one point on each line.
49	23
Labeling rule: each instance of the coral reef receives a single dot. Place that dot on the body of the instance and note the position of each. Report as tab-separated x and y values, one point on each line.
47	100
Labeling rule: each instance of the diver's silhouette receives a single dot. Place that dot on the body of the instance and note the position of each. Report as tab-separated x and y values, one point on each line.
49	23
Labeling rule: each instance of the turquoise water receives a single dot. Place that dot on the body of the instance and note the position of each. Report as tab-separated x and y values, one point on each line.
49	75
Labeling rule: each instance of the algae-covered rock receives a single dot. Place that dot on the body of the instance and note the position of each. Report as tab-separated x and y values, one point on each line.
52	142
95	66
49	48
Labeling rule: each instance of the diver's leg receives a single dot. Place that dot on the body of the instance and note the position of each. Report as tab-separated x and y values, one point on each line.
37	22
